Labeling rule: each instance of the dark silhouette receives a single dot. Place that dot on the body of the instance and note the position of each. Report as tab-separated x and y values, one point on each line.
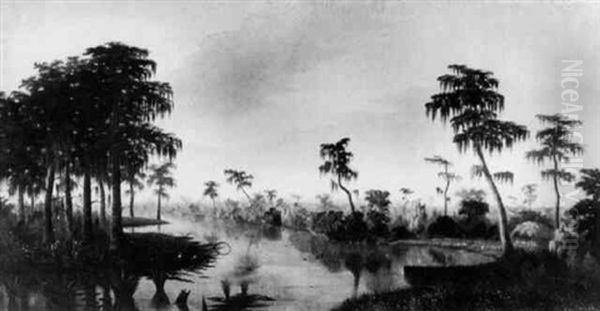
557	147
470	102
337	159
160	176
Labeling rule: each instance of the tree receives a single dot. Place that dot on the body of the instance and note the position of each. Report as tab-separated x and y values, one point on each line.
337	159
470	102
20	152
271	195
133	102
241	180
160	177
445	175
590	183
210	191
557	147
530	193
378	198
406	192
502	176
135	181
324	201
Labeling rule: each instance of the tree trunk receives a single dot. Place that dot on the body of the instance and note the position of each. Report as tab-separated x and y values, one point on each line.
347	193
116	223
446	190
503	222
68	200
48	228
247	196
32	198
87	207
158	206
102	202
22	217
131	199
557	191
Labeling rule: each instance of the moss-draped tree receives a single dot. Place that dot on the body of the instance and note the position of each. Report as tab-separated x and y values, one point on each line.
470	102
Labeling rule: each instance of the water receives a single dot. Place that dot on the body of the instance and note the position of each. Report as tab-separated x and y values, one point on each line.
285	269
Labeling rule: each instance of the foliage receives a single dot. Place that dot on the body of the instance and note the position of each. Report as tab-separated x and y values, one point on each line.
446	175
530	193
590	183
210	190
473	209
240	179
378	218
529	215
556	146
444	226
470	102
337	161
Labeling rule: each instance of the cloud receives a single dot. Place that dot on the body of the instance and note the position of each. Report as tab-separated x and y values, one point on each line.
236	71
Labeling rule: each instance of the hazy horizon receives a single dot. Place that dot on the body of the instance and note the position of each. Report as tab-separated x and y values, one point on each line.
260	85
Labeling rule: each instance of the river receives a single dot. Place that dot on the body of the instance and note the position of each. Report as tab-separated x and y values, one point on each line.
282	269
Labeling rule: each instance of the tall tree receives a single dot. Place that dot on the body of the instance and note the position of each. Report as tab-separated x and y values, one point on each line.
136	182
161	177
133	102
337	160
210	191
557	147
241	180
470	102
445	175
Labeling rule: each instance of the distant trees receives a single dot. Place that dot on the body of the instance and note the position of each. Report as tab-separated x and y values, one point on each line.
470	102
557	147
211	191
530	194
445	175
337	160
136	180
161	177
241	180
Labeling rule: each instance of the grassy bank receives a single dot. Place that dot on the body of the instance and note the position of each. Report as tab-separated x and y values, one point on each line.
535	281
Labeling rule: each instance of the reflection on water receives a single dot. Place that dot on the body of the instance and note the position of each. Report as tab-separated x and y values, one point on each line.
263	268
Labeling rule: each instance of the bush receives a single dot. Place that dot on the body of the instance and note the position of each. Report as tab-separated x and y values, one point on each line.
378	222
401	232
473	208
444	226
529	215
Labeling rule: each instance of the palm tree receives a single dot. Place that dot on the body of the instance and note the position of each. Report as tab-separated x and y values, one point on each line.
557	147
160	176
337	159
470	101
240	179
211	191
446	175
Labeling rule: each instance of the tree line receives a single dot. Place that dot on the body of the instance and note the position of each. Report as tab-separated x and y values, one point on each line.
91	117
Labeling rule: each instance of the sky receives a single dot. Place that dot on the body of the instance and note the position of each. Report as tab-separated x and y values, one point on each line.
259	85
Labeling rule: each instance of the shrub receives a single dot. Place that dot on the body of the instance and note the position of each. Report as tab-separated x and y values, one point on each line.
473	208
444	226
378	222
529	215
